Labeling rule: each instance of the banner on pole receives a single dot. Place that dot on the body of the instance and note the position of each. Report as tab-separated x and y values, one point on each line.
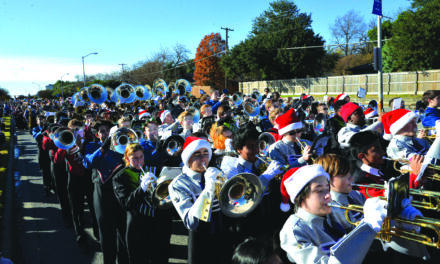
377	7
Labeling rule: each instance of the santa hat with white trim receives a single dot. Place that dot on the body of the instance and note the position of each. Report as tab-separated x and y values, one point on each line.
386	126
294	181
341	96
398	119
144	113
191	145
287	122
370	112
163	115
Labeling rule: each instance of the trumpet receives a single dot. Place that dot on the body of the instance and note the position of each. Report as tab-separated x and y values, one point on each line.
266	160
388	230
430	199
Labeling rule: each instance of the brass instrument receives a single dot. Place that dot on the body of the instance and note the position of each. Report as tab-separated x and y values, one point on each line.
183	87
237	99
388	230
143	92
157	195
430	133
435	177
268	160
430	199
160	87
237	196
174	145
256	95
125	93
264	141
121	138
83	94
65	139
97	93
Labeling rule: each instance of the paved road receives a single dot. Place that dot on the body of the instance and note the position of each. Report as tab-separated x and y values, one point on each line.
41	237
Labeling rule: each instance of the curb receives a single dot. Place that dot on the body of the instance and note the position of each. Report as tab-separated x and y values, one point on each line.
8	241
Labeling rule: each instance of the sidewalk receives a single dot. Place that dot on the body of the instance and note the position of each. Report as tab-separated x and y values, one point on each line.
40	234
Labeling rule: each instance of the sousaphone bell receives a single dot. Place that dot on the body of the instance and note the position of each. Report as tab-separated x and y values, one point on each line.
121	138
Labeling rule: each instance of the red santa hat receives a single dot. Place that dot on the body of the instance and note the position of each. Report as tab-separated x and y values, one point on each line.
397	119
144	113
347	110
294	181
342	96
306	96
386	126
191	145
287	122
370	112
163	114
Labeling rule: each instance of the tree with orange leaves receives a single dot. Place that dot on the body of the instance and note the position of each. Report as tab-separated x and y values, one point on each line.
208	71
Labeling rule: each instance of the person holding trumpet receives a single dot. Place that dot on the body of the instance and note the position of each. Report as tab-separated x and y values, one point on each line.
193	194
144	223
309	235
290	150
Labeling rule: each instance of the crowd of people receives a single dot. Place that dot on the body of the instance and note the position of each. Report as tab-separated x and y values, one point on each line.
118	154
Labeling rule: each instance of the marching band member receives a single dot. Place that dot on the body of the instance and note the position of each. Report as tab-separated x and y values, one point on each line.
168	124
354	118
192	191
214	101
366	148
288	150
220	132
342	193
309	236
148	230
343	97
262	221
403	127
109	214
153	158
431	99
186	120
79	185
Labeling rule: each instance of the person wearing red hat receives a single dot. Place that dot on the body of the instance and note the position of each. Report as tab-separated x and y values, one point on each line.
309	235
192	193
288	151
169	125
355	121
403	128
343	96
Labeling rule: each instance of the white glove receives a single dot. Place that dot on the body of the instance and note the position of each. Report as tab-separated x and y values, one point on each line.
375	212
228	145
274	168
147	179
211	179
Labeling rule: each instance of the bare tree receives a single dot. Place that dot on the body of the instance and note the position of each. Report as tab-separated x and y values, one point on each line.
347	29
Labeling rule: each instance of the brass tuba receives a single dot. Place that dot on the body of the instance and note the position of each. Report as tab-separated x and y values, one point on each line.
125	93
157	195
143	92
65	139
264	141
160	87
183	87
97	93
121	138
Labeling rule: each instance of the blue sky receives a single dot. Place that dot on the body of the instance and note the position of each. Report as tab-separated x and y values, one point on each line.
42	40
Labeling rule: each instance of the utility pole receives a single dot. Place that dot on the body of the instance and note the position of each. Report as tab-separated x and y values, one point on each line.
122	66
227	49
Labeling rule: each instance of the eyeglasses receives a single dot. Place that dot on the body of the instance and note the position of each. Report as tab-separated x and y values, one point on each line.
294	132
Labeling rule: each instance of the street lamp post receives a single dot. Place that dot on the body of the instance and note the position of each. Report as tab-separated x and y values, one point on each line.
61	83
84	73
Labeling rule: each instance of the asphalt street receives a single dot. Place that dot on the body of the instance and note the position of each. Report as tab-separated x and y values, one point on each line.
41	237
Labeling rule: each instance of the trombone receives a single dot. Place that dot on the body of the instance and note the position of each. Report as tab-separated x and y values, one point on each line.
388	230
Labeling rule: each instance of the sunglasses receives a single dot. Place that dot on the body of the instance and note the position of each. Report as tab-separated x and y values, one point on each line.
294	132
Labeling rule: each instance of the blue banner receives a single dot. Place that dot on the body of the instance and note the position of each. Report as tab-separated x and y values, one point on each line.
377	7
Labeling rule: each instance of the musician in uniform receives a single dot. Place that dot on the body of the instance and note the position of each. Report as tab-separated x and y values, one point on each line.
431	99
288	150
148	230
192	192
403	128
309	236
263	220
109	214
169	125
186	119
354	119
